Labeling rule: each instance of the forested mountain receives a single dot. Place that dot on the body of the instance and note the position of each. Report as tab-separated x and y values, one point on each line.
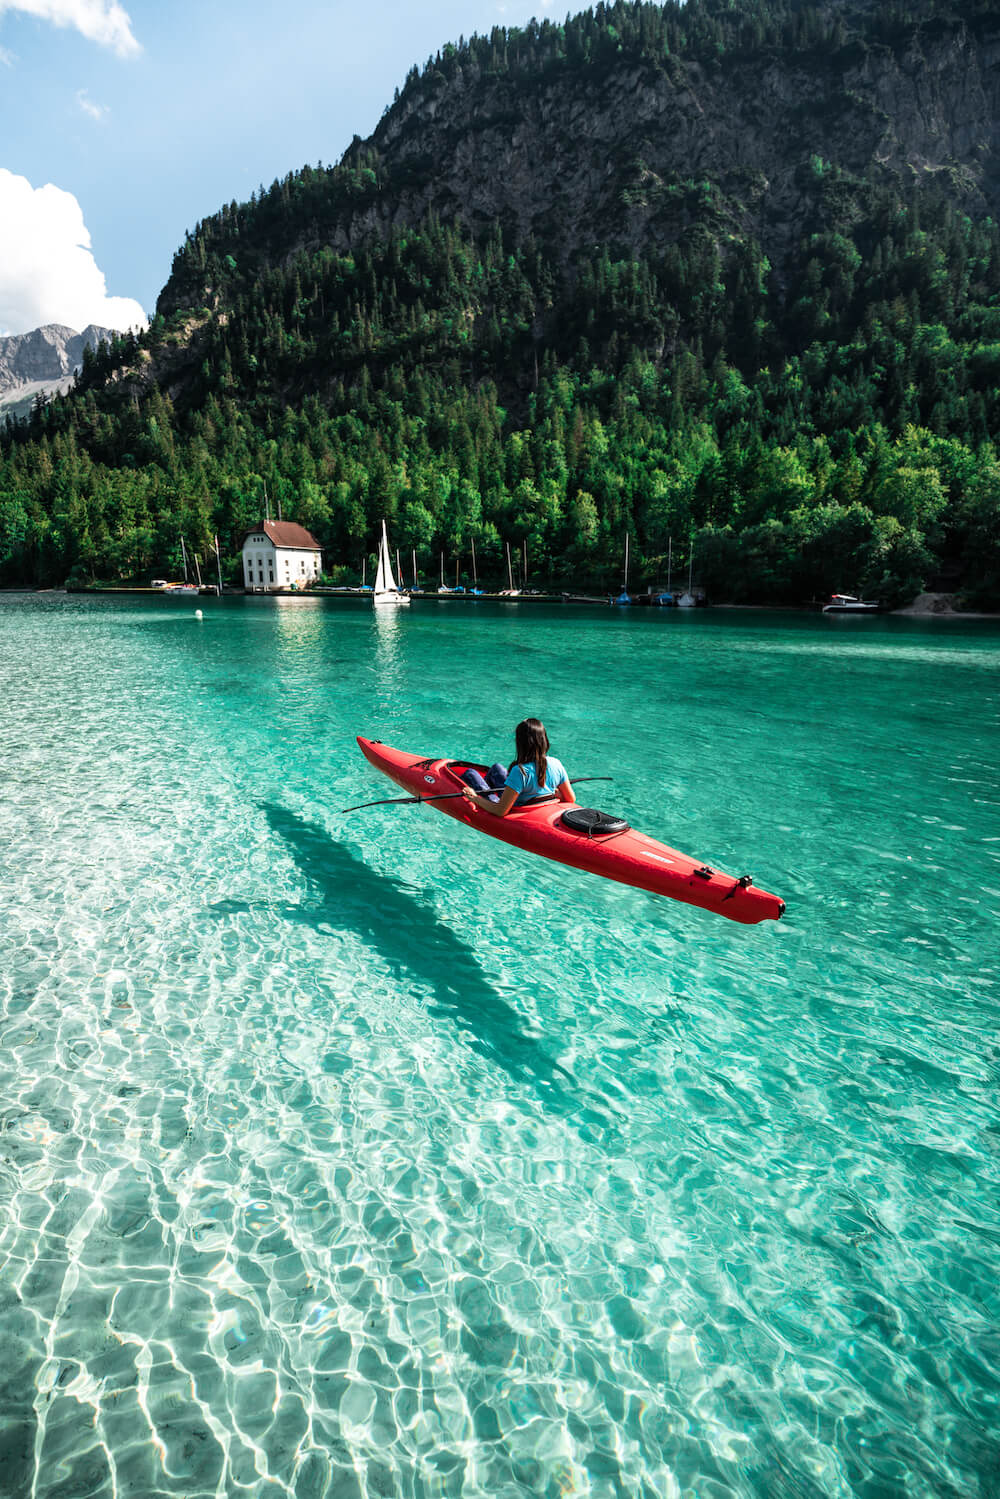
726	268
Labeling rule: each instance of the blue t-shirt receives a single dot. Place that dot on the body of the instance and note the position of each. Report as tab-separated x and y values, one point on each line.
524	779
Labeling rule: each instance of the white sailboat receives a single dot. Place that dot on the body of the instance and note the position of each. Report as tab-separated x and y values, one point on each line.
511	592
624	597
385	591
186	587
688	600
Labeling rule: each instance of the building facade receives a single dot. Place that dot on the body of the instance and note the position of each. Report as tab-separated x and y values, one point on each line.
278	553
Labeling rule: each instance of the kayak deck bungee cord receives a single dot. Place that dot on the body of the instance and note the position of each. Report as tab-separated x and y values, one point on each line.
578	836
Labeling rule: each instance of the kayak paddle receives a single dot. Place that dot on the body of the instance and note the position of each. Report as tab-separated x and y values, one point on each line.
444	796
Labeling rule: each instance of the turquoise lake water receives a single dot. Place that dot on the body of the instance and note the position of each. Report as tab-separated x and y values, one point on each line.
361	1155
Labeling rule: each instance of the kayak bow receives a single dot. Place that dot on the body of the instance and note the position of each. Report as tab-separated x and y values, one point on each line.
627	856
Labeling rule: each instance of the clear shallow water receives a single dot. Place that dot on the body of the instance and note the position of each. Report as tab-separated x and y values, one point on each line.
358	1156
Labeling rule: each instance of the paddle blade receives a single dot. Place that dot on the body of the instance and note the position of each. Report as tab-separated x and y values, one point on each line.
384	802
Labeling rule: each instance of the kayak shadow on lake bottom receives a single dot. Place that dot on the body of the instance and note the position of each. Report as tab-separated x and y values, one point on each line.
406	932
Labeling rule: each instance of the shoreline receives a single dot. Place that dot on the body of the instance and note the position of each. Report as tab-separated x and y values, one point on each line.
925	607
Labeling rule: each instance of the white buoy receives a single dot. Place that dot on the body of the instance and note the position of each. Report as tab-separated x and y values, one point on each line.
198	614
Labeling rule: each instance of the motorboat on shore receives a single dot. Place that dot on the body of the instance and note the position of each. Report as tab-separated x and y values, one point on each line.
846	603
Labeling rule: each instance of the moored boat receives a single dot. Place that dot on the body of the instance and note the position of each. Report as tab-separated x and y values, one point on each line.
846	603
385	590
624	597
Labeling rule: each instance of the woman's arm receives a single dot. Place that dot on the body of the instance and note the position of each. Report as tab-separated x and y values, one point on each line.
508	797
564	792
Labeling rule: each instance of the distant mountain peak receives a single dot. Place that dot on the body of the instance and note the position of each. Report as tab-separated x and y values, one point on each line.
45	358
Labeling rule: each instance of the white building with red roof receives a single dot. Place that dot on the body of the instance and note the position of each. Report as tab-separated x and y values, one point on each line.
278	553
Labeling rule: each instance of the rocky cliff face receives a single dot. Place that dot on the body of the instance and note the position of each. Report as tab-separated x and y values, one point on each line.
638	147
44	358
607	155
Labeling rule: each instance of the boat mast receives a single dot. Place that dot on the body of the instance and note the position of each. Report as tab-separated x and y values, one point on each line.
456	574
442	569
414	567
475	580
690	560
510	575
197	569
525	578
670	559
185	557
218	562
399	571
625	579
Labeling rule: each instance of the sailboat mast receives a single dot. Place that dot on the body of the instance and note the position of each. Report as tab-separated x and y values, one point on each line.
690	560
525	578
197	568
625	582
415	567
456	574
442	569
399	570
510	575
475	580
670	559
185	557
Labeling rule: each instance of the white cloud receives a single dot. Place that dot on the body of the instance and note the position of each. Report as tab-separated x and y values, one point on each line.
47	270
7	58
95	111
101	21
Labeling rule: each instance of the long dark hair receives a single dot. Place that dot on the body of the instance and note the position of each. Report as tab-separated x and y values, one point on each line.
532	743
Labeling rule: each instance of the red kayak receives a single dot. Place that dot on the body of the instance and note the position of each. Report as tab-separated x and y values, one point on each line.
580	837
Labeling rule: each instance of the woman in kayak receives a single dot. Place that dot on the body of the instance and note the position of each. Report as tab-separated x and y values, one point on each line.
533	774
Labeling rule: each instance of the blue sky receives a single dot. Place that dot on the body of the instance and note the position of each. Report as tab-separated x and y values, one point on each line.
123	124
